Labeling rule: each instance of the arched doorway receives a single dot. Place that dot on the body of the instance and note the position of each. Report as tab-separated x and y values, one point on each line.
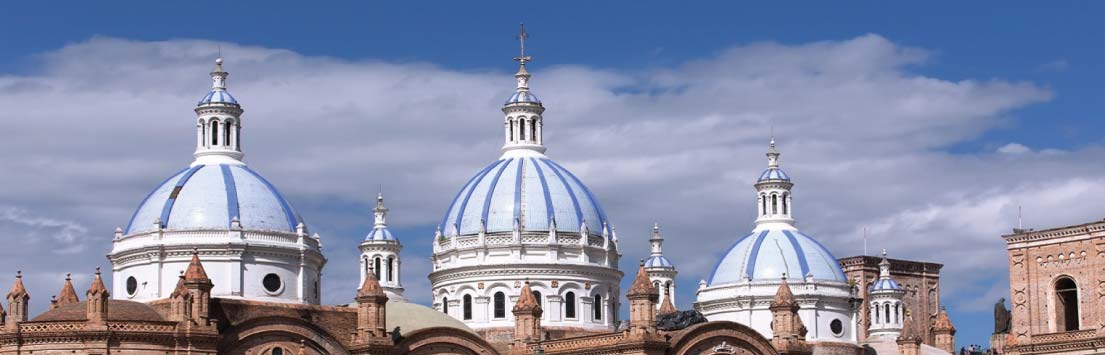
1066	305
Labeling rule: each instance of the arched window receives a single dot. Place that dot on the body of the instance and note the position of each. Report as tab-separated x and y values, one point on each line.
763	200
522	130
511	130
533	131
1066	305
277	351
896	307
214	133
598	307
226	133
774	204
467	307
785	203
537	296
887	307
570	305
500	305
876	312
203	134
377	268
391	268
445	305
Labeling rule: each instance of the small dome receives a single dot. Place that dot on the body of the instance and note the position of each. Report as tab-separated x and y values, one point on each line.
217	96
210	197
410	317
774	174
117	310
767	254
885	284
658	261
523	96
531	190
379	234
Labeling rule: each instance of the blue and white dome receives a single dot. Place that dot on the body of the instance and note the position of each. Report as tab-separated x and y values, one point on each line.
217	96
658	261
886	284
768	253
523	96
531	190
379	234
210	197
773	173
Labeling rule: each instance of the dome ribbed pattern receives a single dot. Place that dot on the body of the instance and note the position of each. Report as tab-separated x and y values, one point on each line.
210	197
768	253
531	190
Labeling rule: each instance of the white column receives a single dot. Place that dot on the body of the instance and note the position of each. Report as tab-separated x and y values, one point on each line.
540	136
529	129
517	130
234	136
506	131
199	136
480	310
299	278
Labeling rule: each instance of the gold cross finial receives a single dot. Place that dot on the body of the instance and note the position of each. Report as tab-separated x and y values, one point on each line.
521	37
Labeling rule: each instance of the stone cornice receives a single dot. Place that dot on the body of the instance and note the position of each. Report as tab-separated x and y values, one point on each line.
551	269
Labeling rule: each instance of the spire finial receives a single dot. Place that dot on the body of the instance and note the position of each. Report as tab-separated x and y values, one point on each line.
772	154
522	58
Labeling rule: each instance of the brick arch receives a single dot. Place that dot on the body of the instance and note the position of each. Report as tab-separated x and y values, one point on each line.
259	334
442	341
701	338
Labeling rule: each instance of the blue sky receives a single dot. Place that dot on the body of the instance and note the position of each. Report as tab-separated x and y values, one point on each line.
1039	65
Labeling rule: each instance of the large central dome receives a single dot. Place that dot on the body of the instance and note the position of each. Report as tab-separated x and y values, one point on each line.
211	197
534	191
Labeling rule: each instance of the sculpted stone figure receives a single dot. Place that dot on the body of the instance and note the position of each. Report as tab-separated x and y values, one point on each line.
1002	317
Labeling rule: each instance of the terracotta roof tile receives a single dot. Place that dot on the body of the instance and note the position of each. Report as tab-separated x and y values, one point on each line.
195	269
371	286
97	286
642	285
68	294
18	291
783	297
526	300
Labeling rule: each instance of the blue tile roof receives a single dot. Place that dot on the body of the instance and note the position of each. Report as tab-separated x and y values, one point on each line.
769	253
210	197
532	191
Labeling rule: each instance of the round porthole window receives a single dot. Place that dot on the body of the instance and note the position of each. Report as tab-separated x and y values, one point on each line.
272	283
837	327
132	286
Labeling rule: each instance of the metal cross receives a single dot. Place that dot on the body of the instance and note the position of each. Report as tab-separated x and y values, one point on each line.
521	37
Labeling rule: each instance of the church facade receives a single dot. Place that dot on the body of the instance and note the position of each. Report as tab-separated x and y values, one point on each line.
1057	291
525	261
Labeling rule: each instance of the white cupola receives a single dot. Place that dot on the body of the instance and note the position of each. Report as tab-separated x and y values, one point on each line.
218	123
774	198
380	254
659	268
887	312
522	123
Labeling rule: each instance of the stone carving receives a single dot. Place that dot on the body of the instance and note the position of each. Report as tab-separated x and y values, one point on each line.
723	348
1002	318
1019	298
679	320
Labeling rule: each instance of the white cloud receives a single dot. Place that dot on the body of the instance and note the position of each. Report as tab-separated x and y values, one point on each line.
1014	148
860	132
